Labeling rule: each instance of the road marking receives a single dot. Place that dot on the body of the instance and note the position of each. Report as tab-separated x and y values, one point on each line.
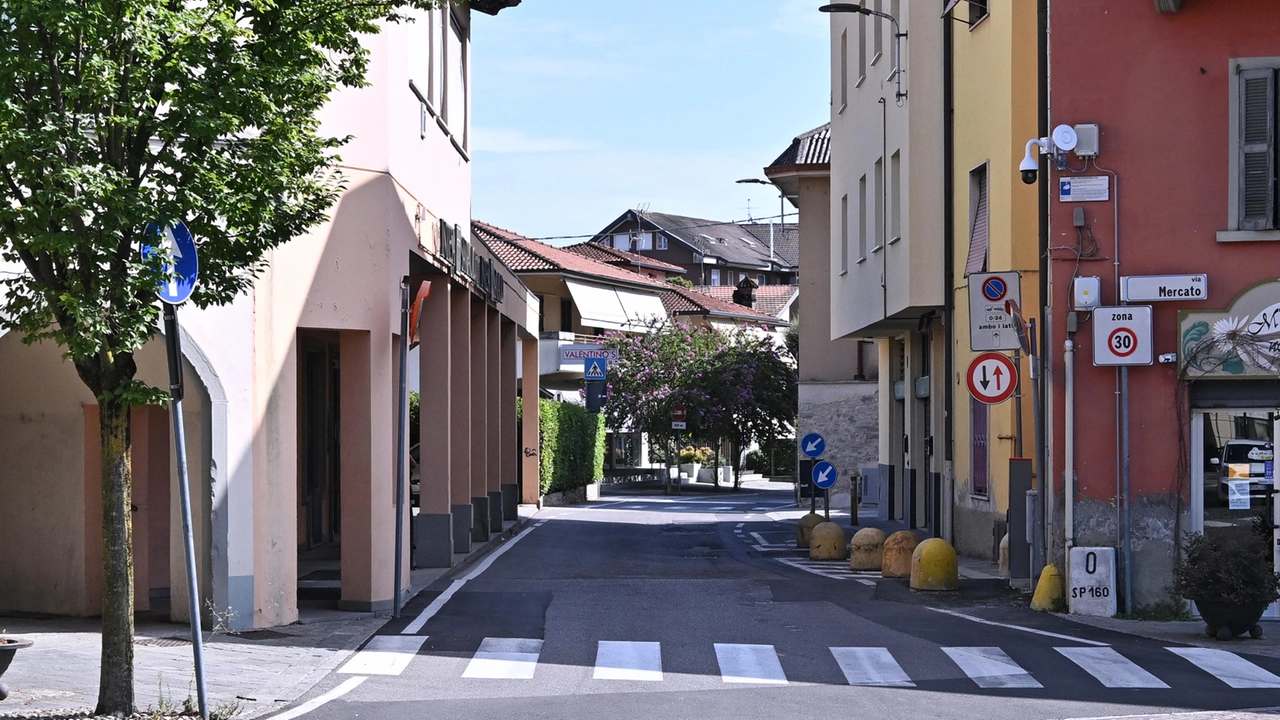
759	539
1111	668
384	655
505	659
429	611
738	526
722	508
870	666
347	686
1228	667
864	581
1045	633
749	664
628	661
990	667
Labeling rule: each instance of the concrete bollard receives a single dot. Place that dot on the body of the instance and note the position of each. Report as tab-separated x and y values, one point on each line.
1050	594
866	551
1004	555
804	531
827	542
934	566
897	554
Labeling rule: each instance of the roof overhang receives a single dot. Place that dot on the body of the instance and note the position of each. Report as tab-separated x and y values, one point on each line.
787	177
492	7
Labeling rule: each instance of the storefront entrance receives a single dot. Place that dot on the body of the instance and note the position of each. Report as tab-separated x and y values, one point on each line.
1233	472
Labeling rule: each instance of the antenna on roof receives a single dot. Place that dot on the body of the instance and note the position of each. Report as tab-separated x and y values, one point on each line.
642	207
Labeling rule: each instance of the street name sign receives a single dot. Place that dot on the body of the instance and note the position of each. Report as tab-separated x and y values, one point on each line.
813	444
184	271
992	378
1122	335
990	327
824	474
594	368
1149	288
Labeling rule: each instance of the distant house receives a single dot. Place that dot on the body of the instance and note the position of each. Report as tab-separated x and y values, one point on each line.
711	252
779	301
633	262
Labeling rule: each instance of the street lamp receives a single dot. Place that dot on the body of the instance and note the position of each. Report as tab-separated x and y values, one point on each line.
897	38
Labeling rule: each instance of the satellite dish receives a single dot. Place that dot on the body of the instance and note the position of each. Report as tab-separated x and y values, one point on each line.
1064	137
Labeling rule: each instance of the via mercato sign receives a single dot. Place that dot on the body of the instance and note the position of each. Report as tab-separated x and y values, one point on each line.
1149	288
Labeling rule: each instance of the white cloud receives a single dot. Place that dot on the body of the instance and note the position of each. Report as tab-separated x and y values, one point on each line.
508	140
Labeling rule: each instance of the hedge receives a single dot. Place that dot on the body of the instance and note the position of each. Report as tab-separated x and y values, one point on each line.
570	446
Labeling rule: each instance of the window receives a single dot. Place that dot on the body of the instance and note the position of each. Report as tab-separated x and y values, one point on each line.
760	280
715	277
862	217
878	45
862	50
979	217
622	241
844	234
566	315
1252	213
977	12
542	314
879	202
979	457
662	242
644	241
895	196
455	90
844	70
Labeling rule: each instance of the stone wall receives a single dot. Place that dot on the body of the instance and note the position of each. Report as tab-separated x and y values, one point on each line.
846	414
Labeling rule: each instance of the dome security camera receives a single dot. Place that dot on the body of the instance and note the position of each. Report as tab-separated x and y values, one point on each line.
1030	165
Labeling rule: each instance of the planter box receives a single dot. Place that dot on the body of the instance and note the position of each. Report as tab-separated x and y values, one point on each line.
690	470
1236	619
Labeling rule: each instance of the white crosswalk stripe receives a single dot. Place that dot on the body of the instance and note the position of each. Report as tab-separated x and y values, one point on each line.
505	658
870	666
1228	667
628	661
1111	668
384	655
833	569
990	667
749	664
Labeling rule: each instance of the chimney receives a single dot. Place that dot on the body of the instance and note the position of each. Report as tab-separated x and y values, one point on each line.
745	295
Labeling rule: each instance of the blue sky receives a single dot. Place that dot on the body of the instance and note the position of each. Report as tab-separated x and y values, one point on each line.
583	109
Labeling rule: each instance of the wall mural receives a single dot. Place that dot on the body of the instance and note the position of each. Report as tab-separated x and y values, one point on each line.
1242	341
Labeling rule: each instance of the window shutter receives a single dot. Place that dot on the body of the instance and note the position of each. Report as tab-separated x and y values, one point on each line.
1257	149
979	230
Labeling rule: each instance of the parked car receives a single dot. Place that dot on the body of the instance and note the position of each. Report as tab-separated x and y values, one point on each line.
1244	459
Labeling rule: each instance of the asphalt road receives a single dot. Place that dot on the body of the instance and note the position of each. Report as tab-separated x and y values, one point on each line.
699	607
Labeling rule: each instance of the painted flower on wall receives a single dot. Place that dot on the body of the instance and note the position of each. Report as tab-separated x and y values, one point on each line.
1237	336
1234	345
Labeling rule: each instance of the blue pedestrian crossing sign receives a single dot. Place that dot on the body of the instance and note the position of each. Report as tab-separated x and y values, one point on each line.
813	444
181	267
824	474
594	368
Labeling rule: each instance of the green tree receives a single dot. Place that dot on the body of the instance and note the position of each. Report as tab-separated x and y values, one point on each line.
755	393
117	113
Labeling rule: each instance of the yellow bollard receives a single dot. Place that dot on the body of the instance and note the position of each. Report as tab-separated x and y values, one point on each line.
934	566
866	551
827	542
805	529
897	554
1050	594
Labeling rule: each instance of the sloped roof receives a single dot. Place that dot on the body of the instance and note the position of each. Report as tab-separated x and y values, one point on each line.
726	241
786	240
811	148
770	299
614	256
688	301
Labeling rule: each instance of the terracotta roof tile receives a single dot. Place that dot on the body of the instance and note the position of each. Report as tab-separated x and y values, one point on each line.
614	256
770	299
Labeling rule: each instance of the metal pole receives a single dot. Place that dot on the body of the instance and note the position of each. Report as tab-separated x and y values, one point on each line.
1017	406
402	431
1044	479
826	503
174	347
1128	502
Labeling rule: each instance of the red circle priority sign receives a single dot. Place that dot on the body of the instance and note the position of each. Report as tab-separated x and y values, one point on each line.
992	378
677	413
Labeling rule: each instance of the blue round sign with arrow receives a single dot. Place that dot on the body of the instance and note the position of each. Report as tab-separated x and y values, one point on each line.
813	444
181	265
824	474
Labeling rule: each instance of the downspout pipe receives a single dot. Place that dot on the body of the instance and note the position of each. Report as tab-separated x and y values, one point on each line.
949	254
1043	473
1069	443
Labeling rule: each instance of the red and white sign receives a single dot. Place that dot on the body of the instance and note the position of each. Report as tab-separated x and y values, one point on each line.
678	416
992	378
1122	335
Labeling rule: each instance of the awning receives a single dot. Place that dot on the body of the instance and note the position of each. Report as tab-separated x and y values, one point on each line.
642	309
599	306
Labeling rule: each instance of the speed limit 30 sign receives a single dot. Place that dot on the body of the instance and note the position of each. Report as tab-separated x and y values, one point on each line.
1122	335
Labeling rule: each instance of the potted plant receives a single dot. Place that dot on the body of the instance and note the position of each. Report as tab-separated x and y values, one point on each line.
9	646
691	461
1231	579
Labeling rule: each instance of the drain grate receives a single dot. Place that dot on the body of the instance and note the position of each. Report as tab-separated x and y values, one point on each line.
320	593
261	635
162	641
317	575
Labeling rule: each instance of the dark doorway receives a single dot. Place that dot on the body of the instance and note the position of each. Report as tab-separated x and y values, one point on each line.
318	474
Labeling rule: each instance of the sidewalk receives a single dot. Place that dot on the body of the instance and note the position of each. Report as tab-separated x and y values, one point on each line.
258	671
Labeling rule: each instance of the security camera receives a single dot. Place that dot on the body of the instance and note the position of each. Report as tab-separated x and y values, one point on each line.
1030	164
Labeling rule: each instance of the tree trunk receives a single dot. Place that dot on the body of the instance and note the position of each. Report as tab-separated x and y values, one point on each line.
115	689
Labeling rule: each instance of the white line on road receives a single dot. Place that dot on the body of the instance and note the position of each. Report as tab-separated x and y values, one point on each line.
749	664
990	667
1111	668
347	686
872	583
384	655
1228	667
628	661
870	666
738	526
456	585
759	539
1046	633
505	659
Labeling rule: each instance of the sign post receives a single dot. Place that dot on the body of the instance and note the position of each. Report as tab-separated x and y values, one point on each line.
824	476
182	270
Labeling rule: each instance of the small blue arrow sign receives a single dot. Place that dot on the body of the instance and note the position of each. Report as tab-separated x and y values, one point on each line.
813	444
595	368
825	474
173	239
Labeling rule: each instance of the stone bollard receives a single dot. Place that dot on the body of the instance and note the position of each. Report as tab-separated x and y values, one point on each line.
1004	555
897	554
827	542
934	566
866	551
804	531
1050	595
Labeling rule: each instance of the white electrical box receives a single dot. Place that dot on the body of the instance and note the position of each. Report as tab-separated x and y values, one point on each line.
1086	293
1086	140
